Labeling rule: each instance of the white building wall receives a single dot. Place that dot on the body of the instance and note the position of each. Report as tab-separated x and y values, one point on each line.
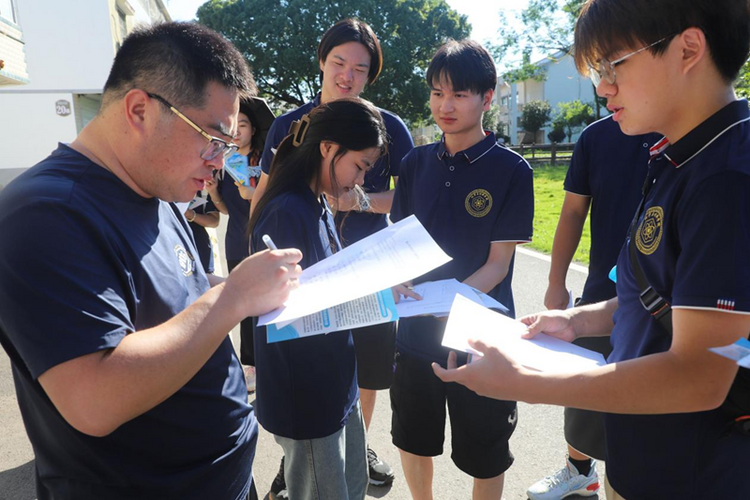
30	130
70	46
564	84
12	53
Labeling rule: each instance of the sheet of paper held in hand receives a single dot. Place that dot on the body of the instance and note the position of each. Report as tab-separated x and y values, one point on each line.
369	310
543	353
739	351
437	298
393	255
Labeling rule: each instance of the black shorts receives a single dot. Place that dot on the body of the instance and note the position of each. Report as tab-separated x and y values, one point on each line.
375	347
584	429
480	427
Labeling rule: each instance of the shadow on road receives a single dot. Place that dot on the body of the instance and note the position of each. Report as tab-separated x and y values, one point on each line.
18	483
378	491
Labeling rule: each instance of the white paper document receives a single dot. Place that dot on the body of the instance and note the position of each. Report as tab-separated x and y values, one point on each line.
393	255
543	353
739	352
365	311
196	203
437	298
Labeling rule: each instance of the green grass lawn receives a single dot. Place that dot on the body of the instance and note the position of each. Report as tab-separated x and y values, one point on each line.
548	200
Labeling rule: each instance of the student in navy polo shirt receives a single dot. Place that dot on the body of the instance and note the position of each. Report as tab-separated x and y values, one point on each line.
606	174
476	200
128	384
664	66
307	388
349	56
234	200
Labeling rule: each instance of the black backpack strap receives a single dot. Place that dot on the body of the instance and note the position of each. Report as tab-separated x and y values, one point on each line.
737	404
650	299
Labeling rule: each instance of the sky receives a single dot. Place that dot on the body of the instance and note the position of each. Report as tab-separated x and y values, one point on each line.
482	13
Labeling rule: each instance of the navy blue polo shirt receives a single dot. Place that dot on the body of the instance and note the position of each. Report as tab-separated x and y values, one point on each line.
306	388
353	225
609	167
466	202
84	261
693	242
202	240
236	245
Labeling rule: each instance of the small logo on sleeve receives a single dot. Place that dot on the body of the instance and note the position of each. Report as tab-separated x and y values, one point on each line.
725	304
185	260
479	203
650	230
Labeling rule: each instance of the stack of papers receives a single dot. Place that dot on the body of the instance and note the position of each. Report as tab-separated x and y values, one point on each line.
437	299
191	205
396	254
365	311
543	353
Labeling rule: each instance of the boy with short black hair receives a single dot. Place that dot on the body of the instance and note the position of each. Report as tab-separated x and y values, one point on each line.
475	198
665	66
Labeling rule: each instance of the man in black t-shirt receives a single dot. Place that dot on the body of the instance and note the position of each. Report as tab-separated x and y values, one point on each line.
126	379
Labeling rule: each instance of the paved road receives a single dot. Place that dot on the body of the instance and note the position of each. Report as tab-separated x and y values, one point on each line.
538	442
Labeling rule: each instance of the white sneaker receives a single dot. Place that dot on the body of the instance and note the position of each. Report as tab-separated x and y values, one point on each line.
565	482
249	377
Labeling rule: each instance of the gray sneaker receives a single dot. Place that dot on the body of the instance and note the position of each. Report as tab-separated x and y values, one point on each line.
564	483
381	473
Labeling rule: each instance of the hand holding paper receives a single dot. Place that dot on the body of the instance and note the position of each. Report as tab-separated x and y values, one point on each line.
504	357
542	352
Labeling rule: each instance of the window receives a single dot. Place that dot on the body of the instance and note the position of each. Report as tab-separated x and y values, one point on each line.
122	23
7	10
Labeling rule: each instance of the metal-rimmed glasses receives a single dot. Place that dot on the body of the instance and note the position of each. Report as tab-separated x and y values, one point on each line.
605	70
215	146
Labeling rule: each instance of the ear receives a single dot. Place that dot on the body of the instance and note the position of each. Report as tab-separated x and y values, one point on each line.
487	99
693	48
327	149
321	64
137	109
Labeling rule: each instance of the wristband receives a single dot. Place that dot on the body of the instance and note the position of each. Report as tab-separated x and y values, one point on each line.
191	219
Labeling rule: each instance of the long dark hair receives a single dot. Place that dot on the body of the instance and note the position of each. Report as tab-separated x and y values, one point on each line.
256	143
352	123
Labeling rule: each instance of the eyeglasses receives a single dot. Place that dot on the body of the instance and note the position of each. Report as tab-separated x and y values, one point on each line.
605	70
215	146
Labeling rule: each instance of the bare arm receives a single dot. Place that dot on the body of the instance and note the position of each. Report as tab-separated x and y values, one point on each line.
260	190
567	236
98	392
212	187
210	219
380	203
495	269
687	378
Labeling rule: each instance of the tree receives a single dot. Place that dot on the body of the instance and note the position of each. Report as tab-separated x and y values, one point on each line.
742	85
557	134
573	116
547	28
491	119
279	39
535	115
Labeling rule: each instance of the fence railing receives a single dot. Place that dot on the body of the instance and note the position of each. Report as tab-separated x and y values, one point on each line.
545	153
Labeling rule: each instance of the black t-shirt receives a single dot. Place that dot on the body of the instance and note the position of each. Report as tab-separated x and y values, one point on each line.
84	261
